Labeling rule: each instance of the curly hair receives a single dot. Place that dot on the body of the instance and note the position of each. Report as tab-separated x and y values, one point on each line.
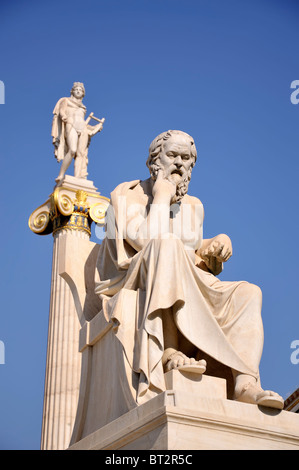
157	145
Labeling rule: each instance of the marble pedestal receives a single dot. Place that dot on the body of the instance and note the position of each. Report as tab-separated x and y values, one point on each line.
187	418
193	412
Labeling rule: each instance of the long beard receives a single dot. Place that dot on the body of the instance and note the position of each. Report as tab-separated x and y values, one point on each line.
181	188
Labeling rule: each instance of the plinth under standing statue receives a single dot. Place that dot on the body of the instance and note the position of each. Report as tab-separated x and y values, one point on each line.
147	348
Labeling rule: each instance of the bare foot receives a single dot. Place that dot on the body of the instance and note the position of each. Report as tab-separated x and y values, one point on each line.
253	393
178	360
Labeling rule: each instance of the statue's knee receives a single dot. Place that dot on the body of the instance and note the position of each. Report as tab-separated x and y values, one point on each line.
252	291
256	292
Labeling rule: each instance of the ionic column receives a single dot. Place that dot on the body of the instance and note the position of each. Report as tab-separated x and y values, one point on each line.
67	214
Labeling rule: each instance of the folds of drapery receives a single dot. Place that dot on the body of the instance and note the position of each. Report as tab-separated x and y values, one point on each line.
221	318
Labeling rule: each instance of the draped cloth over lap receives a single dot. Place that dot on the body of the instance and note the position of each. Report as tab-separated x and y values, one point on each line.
221	318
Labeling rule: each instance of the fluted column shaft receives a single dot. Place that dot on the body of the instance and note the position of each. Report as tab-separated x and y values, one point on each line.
63	359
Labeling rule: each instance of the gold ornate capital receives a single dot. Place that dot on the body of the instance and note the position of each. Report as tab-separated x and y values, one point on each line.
69	208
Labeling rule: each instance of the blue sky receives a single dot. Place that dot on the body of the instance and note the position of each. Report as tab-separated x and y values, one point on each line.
219	70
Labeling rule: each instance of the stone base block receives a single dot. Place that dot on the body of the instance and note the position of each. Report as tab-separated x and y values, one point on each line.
74	184
180	420
197	384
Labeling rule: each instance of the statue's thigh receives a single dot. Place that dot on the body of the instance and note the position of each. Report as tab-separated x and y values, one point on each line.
82	142
72	139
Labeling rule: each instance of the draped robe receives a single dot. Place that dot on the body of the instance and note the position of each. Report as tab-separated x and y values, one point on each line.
220	318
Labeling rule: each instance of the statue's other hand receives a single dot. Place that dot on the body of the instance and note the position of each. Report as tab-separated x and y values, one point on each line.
220	248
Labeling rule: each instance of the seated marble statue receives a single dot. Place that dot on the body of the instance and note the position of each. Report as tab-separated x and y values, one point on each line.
158	282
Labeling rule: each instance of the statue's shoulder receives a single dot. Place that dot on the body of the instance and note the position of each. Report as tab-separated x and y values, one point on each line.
192	200
59	103
123	188
195	204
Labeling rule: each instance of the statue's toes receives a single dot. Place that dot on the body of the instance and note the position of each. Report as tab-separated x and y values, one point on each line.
270	399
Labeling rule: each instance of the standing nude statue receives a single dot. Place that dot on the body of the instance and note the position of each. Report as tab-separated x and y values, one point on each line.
71	133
